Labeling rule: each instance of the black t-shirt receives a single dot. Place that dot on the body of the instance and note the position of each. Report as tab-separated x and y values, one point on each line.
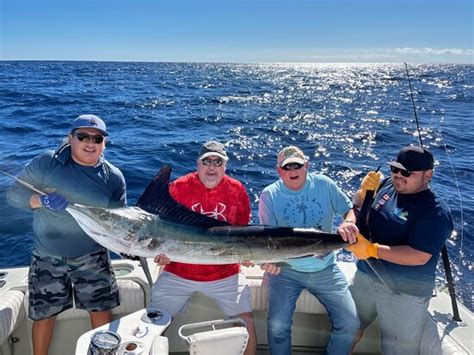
422	221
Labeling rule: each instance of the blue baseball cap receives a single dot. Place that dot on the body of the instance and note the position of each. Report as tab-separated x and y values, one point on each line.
89	121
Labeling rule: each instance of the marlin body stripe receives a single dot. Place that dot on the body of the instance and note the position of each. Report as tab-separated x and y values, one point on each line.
158	224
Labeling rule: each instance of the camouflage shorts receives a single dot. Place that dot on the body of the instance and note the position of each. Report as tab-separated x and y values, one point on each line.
53	283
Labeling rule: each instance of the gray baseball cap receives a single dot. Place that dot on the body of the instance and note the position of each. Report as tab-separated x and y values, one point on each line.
213	148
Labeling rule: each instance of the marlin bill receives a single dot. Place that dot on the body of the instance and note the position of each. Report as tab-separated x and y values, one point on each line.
158	224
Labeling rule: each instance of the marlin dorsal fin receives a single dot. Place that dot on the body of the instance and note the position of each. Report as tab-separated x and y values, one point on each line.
156	199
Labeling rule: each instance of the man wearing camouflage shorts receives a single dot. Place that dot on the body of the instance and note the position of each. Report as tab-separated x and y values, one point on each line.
92	276
68	267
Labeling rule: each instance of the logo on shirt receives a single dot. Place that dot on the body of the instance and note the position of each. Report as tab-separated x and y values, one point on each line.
400	214
303	211
216	213
381	202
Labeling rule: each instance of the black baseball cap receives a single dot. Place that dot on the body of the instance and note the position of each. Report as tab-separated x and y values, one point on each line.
413	158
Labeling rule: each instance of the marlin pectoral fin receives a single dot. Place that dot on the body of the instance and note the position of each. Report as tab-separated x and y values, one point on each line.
156	199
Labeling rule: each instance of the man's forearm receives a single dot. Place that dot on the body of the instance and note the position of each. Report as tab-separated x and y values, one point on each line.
356	200
403	255
350	216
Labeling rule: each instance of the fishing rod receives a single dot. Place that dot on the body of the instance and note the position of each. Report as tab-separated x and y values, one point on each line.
444	251
361	222
364	209
24	183
414	107
143	262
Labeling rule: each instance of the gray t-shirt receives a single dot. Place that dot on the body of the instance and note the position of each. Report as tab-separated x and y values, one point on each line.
56	232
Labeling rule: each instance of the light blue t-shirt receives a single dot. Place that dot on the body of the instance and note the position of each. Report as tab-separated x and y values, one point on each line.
314	206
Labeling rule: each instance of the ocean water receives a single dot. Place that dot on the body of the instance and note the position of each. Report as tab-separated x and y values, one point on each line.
348	119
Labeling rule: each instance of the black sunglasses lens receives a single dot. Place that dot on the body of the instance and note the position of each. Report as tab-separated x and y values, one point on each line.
404	173
292	166
86	137
215	162
81	136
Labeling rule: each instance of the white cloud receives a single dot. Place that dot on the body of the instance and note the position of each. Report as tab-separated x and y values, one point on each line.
385	55
366	56
446	51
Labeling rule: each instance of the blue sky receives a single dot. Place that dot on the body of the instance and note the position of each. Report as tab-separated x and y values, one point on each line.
426	31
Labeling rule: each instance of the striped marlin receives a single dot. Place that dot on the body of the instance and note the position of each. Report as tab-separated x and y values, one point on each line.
158	224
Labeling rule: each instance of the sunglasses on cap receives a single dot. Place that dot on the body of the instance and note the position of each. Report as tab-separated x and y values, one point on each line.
292	166
215	162
396	170
97	139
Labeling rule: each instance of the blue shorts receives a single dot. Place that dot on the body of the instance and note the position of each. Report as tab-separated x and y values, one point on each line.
54	283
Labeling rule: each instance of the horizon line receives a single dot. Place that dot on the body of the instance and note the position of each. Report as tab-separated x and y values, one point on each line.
229	62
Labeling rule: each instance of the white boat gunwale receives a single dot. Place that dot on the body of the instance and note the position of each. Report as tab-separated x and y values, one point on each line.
310	330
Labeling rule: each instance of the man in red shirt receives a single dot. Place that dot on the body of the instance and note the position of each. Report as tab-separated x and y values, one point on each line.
211	192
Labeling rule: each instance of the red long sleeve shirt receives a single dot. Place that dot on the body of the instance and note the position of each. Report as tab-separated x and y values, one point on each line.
228	202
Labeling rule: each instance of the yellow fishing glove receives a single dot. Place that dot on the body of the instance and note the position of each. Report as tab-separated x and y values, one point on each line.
370	182
364	249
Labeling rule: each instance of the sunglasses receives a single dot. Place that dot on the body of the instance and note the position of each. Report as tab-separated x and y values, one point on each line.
215	162
404	173
292	166
98	139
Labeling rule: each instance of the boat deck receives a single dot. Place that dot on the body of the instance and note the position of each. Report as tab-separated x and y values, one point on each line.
310	330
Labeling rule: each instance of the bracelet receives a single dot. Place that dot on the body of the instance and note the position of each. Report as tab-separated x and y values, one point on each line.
349	221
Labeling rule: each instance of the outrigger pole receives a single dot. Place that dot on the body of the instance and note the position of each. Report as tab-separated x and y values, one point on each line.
444	251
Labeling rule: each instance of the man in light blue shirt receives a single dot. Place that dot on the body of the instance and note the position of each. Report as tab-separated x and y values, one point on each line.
308	200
